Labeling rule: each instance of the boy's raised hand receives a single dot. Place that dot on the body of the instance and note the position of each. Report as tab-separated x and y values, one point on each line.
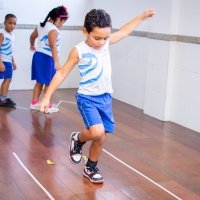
149	12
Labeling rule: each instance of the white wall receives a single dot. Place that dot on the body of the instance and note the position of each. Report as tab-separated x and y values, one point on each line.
33	12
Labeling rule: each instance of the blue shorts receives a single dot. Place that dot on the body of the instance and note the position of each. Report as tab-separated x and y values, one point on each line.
7	74
43	68
96	110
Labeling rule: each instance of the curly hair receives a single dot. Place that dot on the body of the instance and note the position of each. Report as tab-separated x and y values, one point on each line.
97	18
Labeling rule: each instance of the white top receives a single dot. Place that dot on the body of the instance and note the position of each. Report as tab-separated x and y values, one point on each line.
95	69
6	49
43	42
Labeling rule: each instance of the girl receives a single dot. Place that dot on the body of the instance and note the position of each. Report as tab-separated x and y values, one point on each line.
45	60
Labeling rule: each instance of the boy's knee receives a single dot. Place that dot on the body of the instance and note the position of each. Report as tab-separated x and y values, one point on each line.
98	134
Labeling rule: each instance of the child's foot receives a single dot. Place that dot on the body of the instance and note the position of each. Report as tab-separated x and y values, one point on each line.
7	103
75	148
93	174
52	109
34	106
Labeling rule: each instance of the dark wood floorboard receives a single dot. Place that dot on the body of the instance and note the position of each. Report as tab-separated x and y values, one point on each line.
164	152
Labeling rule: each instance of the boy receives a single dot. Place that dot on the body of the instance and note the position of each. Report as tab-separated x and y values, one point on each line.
7	63
95	88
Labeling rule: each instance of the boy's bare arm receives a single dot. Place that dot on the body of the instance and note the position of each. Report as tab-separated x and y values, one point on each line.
59	77
2	67
126	29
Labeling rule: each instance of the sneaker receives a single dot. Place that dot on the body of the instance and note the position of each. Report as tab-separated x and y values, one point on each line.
52	109
75	148
7	103
34	106
10	100
93	174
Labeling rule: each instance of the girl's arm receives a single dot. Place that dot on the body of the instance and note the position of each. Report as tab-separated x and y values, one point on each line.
52	36
33	36
126	29
59	78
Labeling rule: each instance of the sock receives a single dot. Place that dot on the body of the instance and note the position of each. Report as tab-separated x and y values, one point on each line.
91	164
3	98
34	101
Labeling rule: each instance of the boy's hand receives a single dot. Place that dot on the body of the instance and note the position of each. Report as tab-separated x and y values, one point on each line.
2	67
44	105
148	13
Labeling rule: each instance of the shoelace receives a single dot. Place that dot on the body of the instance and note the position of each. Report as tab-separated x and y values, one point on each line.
77	147
94	170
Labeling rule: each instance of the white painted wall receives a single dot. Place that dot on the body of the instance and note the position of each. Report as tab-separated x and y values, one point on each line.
33	12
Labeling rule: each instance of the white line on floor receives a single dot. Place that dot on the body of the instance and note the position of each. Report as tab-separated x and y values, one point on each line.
22	108
31	175
61	101
141	174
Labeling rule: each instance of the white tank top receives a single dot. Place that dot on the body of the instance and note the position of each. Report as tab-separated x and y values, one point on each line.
43	42
6	50
95	69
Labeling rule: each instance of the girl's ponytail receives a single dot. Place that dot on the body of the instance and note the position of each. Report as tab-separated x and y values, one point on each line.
42	24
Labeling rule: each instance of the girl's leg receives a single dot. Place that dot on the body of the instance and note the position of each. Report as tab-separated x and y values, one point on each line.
37	92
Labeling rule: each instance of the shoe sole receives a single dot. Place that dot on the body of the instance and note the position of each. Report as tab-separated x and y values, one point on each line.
92	181
70	150
10	106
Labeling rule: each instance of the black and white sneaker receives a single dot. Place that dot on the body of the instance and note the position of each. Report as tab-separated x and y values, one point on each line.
93	174
7	103
75	148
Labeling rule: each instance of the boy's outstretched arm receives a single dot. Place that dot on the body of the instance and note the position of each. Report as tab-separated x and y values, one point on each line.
59	77
126	29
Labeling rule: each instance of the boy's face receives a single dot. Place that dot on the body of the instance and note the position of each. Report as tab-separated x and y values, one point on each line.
10	24
98	37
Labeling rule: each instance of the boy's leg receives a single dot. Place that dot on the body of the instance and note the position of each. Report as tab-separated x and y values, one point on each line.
5	86
4	101
37	91
97	135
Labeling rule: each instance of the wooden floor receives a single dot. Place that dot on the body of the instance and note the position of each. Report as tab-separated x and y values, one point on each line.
146	159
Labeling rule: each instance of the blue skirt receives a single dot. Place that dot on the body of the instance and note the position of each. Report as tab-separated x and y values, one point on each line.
43	68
